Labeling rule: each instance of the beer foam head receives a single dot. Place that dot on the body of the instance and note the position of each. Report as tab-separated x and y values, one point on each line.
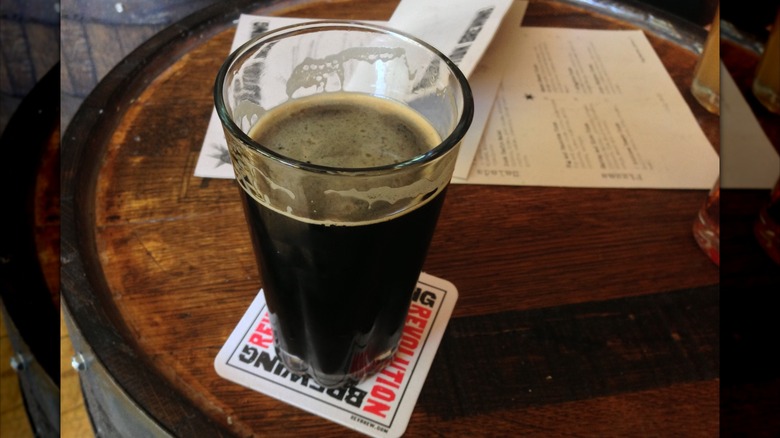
352	143
359	180
345	130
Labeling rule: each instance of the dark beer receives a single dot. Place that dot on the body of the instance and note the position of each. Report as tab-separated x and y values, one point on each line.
338	292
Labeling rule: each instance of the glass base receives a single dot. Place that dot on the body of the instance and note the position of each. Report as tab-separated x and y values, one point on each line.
298	366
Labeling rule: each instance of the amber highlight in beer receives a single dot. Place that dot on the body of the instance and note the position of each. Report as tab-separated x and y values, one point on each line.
706	77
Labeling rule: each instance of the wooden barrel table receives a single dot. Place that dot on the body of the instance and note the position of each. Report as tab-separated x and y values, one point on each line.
581	311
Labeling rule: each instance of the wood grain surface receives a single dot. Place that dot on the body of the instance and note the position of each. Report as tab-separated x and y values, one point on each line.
604	291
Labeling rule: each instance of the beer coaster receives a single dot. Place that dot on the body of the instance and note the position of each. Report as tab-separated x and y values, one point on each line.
382	405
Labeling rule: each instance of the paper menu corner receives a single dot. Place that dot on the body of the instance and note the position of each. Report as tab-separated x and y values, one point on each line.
463	29
485	83
214	159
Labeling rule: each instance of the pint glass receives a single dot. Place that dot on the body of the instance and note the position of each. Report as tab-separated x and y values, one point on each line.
343	138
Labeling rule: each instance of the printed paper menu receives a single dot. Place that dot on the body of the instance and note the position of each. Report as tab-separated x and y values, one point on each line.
553	106
590	108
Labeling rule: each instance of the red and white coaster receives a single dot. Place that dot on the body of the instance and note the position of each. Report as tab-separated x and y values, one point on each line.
380	406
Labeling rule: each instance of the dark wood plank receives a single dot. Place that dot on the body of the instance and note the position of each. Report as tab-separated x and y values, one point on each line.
517	360
750	409
689	409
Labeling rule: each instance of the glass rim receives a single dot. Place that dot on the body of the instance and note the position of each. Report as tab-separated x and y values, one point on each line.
446	144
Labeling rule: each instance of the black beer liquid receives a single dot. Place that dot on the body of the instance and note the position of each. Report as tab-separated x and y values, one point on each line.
334	290
338	293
